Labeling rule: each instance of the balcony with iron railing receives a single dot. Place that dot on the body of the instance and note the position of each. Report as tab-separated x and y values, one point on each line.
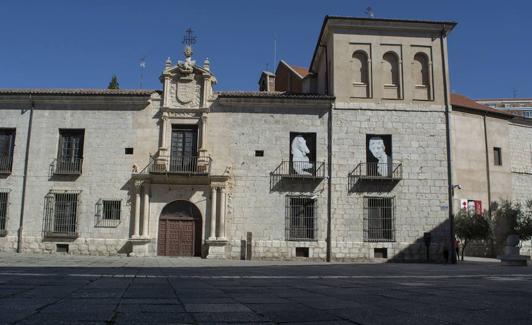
378	171
71	166
6	163
183	165
300	169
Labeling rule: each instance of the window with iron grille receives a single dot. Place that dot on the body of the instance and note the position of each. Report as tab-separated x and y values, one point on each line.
301	218
3	212
379	219
70	153
108	213
60	215
7	145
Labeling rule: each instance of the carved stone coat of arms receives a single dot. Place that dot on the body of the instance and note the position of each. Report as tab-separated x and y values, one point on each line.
186	90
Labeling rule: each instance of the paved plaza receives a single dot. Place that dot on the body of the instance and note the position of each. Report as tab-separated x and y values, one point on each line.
119	290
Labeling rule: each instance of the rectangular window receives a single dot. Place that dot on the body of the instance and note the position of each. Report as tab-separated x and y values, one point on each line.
61	214
497	156
7	146
301	218
108	213
379	223
3	212
70	153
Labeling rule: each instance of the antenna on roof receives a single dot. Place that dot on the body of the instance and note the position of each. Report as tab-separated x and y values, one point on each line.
369	12
274	52
142	65
514	92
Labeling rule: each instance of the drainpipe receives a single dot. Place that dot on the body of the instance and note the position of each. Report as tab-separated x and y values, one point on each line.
450	190
487	165
329	161
488	176
329	180
25	178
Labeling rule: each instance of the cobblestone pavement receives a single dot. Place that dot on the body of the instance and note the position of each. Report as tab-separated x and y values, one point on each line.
119	290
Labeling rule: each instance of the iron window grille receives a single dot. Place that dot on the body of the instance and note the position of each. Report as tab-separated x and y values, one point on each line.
3	212
61	214
108	213
7	146
379	219
301	223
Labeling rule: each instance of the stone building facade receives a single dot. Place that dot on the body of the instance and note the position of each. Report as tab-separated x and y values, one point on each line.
492	159
354	167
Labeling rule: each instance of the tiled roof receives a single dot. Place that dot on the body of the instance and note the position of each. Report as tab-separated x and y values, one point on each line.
302	71
270	94
74	91
465	102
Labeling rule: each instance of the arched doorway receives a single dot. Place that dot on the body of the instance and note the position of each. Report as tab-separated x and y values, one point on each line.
179	230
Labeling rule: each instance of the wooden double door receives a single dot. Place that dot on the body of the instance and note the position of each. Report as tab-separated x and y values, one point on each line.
179	230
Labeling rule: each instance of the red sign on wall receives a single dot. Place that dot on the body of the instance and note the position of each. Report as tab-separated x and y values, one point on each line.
471	206
478	207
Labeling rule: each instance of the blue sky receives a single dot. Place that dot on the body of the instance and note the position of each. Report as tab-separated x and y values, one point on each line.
80	44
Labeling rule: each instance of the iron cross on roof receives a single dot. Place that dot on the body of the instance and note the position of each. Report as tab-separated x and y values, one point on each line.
189	39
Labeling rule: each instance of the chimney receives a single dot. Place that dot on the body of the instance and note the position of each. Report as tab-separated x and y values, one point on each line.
267	81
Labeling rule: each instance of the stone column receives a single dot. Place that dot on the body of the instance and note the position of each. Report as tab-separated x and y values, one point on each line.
164	127
136	223
203	145
146	210
221	225
213	214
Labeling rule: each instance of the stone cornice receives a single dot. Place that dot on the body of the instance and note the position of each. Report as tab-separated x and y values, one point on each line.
75	102
274	102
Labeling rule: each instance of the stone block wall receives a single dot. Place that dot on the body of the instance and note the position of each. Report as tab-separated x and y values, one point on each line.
106	173
256	202
14	116
521	161
253	206
420	197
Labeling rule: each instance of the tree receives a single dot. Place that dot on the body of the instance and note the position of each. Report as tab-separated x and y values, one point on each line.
471	227
114	83
512	219
524	224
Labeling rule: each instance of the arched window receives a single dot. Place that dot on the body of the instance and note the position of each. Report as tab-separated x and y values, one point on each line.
390	75
421	76
361	74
